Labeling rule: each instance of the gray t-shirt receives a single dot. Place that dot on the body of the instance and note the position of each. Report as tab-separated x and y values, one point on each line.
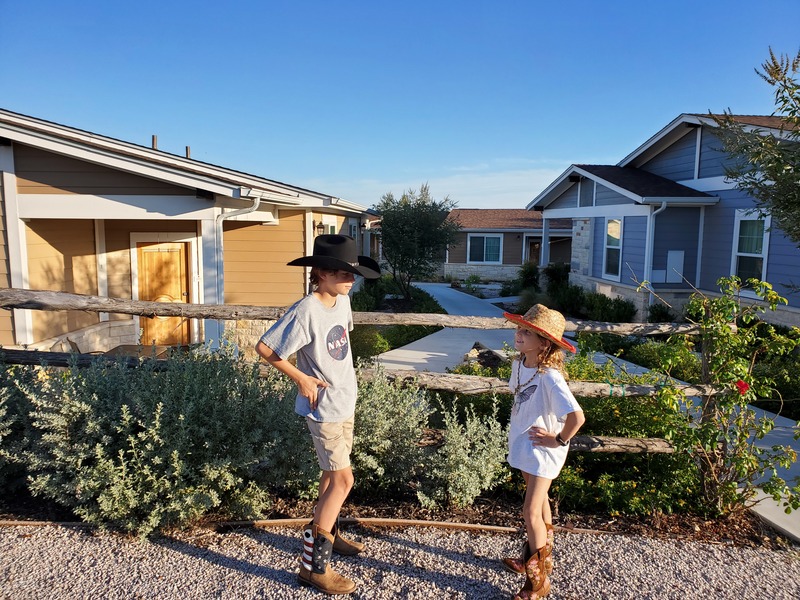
320	337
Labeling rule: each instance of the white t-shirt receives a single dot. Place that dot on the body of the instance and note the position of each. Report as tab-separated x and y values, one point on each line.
543	400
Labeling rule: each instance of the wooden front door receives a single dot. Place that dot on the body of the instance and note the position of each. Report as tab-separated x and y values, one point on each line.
163	276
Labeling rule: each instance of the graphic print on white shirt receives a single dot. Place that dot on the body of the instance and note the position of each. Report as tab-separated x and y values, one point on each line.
523	396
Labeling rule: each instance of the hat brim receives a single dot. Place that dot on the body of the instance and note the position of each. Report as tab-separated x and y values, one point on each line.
521	322
366	267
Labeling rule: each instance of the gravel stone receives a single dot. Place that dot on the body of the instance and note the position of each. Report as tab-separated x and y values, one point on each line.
63	562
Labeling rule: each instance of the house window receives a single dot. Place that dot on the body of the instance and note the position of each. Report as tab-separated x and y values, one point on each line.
612	255
750	243
484	248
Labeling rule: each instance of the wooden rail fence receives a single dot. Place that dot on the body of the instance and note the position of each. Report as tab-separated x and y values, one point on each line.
462	384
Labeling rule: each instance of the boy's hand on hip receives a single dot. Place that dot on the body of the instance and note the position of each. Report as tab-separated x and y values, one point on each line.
309	387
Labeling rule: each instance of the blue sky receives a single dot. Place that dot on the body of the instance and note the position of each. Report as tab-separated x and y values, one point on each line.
486	101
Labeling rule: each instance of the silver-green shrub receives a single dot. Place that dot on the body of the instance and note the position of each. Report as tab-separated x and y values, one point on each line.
146	448
390	420
14	425
470	461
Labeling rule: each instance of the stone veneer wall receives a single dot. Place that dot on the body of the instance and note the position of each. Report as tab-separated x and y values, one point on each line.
485	272
245	334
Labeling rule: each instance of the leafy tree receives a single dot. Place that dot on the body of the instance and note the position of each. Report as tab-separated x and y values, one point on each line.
766	164
415	233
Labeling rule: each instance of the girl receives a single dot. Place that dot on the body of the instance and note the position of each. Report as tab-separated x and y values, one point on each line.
544	418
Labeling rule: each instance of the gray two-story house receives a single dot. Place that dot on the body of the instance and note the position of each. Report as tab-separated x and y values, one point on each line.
667	214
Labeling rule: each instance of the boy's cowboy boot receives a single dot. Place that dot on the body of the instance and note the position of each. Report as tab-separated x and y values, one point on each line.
343	545
314	568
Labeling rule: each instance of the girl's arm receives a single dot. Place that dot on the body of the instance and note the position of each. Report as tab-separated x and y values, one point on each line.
572	423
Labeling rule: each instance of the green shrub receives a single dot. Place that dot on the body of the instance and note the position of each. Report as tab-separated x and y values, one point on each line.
529	276
15	425
390	420
568	299
599	307
367	341
370	296
674	357
660	313
141	449
469	462
557	276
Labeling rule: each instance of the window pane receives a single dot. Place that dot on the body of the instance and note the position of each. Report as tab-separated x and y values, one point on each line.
476	249
492	249
612	261
751	236
613	228
748	267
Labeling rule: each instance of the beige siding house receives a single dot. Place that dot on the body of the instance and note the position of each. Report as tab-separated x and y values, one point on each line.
87	214
494	243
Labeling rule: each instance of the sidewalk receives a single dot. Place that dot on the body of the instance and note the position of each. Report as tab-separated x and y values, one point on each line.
446	349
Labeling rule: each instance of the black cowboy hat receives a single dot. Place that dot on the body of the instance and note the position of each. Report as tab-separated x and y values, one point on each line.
338	252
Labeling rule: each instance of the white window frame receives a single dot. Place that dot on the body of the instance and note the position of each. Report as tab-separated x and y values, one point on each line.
744	214
484	235
618	275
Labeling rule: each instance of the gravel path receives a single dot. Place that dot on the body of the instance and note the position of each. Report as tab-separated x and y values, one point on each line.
58	562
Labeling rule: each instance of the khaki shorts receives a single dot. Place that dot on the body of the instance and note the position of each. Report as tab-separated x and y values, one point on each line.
333	443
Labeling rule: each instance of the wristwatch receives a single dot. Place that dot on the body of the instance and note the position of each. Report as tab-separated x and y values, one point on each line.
560	440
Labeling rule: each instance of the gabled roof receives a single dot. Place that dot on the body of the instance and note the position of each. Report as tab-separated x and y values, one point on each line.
640	186
156	164
497	219
646	186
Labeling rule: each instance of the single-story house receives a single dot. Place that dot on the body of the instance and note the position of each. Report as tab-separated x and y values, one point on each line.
495	242
89	214
667	214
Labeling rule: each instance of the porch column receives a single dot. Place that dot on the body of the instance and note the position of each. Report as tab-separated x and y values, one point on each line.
17	244
544	255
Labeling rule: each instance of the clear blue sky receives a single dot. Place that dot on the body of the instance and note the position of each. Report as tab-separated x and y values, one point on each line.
486	101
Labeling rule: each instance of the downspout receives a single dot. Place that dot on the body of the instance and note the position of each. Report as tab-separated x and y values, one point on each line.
221	255
648	260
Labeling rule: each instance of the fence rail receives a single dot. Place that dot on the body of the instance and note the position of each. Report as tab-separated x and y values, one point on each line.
462	384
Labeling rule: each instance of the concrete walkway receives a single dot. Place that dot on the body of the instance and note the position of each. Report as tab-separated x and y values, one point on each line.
446	349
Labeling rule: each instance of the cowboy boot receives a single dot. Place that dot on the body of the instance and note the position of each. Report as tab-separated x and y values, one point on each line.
314	568
537	583
343	545
517	565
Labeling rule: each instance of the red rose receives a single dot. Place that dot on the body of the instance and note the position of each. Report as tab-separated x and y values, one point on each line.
742	386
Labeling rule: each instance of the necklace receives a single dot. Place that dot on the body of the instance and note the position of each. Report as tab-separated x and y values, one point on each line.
521	386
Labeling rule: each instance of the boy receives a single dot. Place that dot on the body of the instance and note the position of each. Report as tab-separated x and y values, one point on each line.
316	329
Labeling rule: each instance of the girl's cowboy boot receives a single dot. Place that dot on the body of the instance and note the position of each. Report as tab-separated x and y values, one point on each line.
314	568
537	583
517	565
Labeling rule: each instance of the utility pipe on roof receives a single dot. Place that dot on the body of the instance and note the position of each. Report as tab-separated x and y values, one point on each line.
648	255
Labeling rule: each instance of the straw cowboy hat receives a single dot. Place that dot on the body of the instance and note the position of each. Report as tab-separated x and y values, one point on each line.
338	253
547	323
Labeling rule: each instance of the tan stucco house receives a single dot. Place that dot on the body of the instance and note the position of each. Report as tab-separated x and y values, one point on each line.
89	214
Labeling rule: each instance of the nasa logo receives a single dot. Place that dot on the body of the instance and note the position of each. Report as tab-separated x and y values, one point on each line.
337	343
